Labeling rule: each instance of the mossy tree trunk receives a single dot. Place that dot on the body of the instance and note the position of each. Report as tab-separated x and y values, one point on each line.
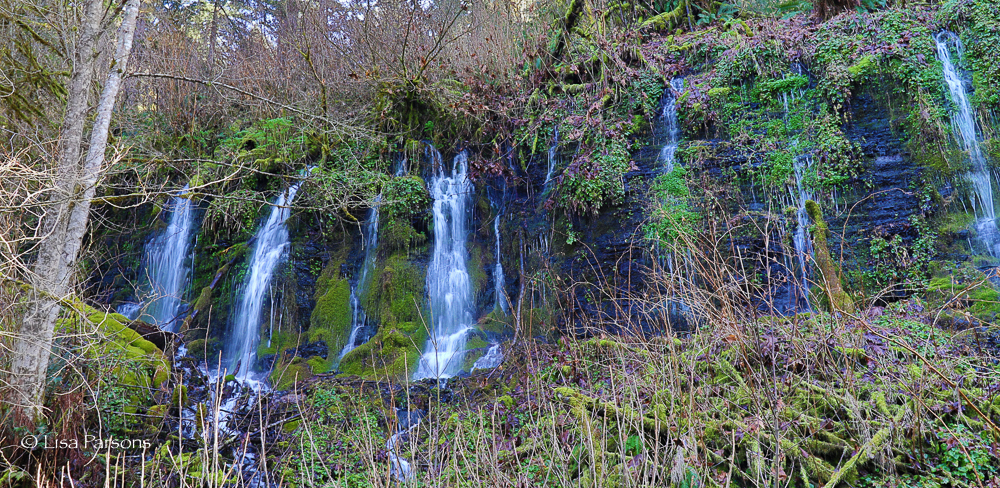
65	221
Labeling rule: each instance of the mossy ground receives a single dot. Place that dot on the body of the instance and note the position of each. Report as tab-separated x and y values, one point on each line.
784	401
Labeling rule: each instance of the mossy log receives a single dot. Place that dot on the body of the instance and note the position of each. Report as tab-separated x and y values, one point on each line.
569	22
828	268
667	20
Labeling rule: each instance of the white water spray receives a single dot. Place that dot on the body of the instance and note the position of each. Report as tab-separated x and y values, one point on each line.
499	279
800	239
490	360
269	250
963	122
448	284
358	317
167	265
553	160
671	128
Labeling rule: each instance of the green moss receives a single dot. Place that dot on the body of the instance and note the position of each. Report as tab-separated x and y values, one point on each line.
319	365
160	376
391	354
862	68
196	348
281	341
158	410
770	88
955	222
396	295
476	343
399	235
497	322
331	317
477	266
284	376
180	397
289	427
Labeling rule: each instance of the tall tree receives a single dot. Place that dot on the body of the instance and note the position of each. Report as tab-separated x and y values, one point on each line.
65	220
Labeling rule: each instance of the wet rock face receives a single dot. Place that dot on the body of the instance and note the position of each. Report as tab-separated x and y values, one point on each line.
311	349
890	196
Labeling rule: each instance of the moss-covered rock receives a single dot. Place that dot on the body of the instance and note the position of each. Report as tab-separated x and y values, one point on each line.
331	317
396	295
497	322
285	376
391	354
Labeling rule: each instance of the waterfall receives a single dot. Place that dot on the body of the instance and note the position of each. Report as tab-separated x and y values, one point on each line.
671	129
553	159
399	468
668	133
963	123
358	317
490	360
803	246
167	265
498	276
448	284
129	309
270	248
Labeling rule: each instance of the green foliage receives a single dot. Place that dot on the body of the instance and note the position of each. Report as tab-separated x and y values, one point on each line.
780	167
646	91
893	261
235	214
672	218
340	429
131	368
981	39
404	197
957	456
769	89
597	179
267	143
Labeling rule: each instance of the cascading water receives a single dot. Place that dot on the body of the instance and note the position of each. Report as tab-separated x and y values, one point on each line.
399	468
129	309
490	360
167	265
498	276
800	239
499	279
798	296
670	128
358	317
270	249
553	160
668	134
448	284
963	121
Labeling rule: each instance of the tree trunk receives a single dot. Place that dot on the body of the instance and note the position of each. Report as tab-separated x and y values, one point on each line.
65	221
